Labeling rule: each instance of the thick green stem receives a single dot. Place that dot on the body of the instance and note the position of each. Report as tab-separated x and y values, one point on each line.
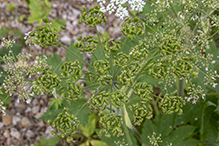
181	86
156	110
126	124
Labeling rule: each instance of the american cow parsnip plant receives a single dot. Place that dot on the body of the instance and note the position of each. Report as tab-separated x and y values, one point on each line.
169	45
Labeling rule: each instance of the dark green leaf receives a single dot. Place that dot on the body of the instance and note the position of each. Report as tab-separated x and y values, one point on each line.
74	54
55	61
76	108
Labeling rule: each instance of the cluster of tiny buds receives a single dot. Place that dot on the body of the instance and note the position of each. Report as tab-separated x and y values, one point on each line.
7	43
155	140
2	108
29	40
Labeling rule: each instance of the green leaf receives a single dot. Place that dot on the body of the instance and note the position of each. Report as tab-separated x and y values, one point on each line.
38	10
43	140
97	143
3	74
88	130
50	142
76	56
98	54
180	135
115	141
148	79
16	49
56	102
53	141
5	97
55	61
57	23
77	108
203	116
164	125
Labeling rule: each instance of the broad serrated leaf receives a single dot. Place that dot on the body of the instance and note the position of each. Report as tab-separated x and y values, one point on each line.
55	61
180	136
115	141
78	108
164	126
203	116
56	102
74	54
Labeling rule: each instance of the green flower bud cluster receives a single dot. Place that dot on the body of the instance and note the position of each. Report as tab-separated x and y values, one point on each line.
105	80
94	17
182	67
65	123
74	92
71	70
160	69
141	110
101	66
132	27
170	44
139	52
125	78
89	45
171	104
118	99
133	67
47	80
46	35
103	99
121	59
98	101
110	46
143	90
111	122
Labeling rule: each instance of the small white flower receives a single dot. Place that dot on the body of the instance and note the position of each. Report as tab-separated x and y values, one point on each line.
206	69
28	101
121	12
214	85
203	96
213	62
194	102
32	94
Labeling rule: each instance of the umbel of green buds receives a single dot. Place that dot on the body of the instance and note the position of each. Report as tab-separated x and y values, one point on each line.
94	17
171	104
46	35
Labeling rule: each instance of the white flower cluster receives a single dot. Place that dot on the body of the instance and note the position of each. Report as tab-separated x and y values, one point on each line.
117	6
29	40
7	43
